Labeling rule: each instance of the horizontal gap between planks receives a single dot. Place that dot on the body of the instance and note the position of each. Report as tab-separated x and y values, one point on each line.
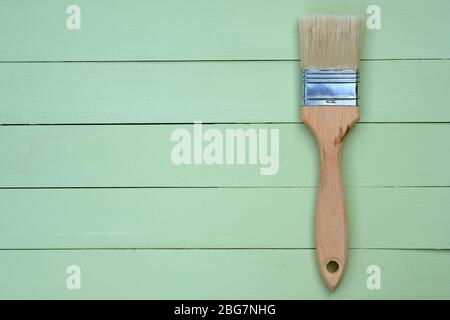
204	60
205	187
205	123
210	249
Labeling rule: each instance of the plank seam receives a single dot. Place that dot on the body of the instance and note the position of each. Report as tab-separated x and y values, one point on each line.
205	60
204	123
213	187
219	248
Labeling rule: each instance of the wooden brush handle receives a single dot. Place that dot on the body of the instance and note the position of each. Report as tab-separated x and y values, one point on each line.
330	125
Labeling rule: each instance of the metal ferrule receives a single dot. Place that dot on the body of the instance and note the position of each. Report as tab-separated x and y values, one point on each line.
330	87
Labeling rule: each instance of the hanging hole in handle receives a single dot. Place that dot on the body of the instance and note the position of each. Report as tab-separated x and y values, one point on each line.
332	266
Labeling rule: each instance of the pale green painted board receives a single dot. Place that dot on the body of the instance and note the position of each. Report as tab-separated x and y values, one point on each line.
217	218
264	91
209	29
140	155
219	274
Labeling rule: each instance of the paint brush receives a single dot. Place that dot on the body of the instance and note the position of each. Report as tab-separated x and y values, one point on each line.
329	49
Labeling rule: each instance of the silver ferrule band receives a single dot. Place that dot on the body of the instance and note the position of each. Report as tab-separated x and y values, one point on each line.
330	87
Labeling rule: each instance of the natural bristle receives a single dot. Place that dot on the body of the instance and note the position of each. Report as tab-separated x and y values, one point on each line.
330	42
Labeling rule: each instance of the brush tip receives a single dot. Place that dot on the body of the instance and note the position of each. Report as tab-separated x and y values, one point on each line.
330	42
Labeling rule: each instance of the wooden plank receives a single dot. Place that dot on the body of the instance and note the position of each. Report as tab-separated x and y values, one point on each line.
217	218
266	91
219	274
205	29
140	156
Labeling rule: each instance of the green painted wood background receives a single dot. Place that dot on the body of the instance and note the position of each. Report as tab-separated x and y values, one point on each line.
85	170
